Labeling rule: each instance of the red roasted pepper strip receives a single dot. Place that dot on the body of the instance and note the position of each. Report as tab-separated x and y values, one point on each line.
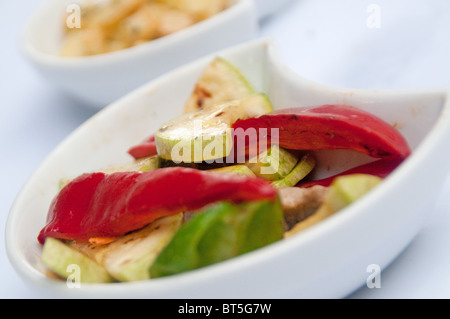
144	149
332	127
380	168
102	205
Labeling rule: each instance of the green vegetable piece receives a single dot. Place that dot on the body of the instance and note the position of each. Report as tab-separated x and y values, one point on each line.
234	169
206	134
145	164
218	233
220	82
347	189
200	135
149	164
343	191
256	104
65	261
300	171
129	257
273	164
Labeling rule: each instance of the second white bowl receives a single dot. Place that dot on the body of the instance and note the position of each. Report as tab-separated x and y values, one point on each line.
101	79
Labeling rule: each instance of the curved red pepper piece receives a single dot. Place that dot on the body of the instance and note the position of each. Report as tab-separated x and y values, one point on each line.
380	168
144	149
110	205
332	127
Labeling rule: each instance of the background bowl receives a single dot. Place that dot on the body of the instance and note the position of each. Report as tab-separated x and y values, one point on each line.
328	260
101	79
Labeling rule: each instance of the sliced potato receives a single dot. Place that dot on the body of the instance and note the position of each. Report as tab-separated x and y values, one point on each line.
142	25
200	9
172	20
112	12
84	42
126	23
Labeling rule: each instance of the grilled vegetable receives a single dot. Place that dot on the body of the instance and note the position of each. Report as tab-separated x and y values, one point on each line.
343	191
304	166
99	205
218	233
332	127
220	82
205	134
65	261
129	257
273	164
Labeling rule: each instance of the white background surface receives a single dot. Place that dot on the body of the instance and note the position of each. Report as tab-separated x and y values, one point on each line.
327	41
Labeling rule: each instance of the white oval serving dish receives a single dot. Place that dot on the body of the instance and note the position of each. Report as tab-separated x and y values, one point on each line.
328	260
101	79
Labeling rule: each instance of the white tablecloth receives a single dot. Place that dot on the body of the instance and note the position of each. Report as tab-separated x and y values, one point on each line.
378	44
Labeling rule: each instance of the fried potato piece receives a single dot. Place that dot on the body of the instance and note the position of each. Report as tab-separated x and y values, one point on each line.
118	24
110	13
84	42
152	21
171	21
200	9
142	25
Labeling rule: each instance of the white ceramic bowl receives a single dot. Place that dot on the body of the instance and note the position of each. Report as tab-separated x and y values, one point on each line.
101	79
328	260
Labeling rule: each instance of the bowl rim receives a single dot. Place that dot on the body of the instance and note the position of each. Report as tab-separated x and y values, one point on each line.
431	142
155	46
